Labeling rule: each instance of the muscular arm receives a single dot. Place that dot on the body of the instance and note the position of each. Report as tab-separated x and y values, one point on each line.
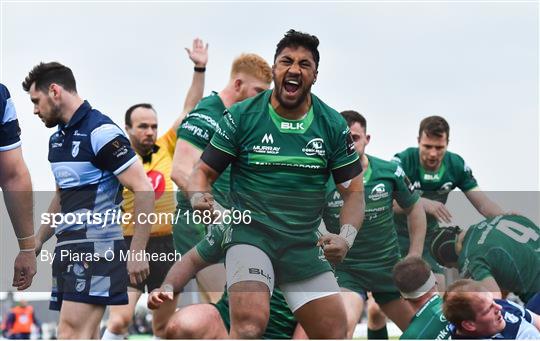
335	247
416	222
535	320
353	208
397	209
202	177
134	178
206	171
45	231
199	56
185	157
178	276
483	204
17	189
184	270
436	209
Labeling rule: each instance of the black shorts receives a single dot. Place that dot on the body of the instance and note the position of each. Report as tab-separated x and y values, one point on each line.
162	245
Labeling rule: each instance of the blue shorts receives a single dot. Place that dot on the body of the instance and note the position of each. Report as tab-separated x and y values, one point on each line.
92	272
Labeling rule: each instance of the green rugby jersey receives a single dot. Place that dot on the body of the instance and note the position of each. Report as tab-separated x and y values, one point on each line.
281	323
453	173
428	323
376	241
198	128
281	167
506	248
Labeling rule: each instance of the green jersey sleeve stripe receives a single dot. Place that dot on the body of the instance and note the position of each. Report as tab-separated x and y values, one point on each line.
347	163
473	188
222	149
407	203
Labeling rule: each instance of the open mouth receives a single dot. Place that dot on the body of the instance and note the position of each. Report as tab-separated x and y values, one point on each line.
291	86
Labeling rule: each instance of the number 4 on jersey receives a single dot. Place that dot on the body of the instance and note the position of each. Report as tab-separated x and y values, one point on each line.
519	233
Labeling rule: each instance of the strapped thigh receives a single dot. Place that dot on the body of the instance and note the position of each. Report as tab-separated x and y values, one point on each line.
245	262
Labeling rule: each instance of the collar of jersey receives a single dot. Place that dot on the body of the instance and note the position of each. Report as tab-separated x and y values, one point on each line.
440	172
367	172
278	120
79	114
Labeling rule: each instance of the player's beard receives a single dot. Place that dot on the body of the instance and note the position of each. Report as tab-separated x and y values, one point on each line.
304	91
54	115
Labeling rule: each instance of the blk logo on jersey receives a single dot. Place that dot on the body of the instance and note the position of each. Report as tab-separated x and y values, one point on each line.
431	177
292	125
158	182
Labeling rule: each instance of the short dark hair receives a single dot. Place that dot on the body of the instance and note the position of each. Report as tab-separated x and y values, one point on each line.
457	303
295	38
410	274
353	117
434	126
44	74
127	118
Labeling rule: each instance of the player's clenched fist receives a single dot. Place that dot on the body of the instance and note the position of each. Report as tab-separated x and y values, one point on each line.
160	295
334	246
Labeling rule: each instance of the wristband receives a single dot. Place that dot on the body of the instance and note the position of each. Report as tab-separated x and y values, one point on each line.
199	68
348	232
27	243
194	198
168	288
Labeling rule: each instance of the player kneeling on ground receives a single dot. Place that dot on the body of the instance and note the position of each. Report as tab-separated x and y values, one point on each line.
211	321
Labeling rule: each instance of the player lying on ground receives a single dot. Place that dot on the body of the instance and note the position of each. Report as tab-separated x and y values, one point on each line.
474	314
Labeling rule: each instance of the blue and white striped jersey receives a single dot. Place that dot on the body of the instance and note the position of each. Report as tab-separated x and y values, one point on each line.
519	324
86	155
9	125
